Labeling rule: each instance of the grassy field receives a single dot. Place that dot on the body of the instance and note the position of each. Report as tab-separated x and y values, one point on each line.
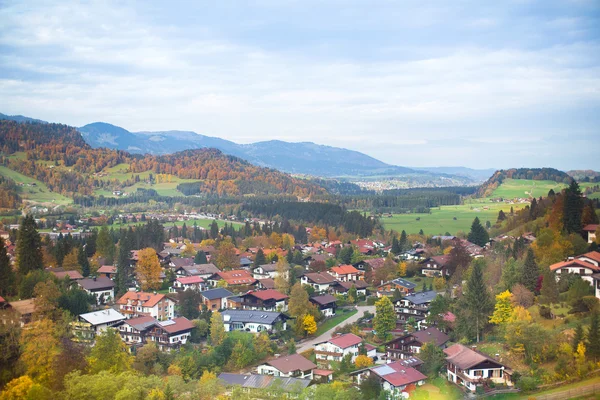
441	220
342	315
38	193
524	188
437	389
202	223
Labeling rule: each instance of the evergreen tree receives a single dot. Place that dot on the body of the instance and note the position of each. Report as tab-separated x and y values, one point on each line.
531	272
477	302
578	337
259	259
124	263
572	208
214	230
395	246
29	247
403	243
478	234
421	232
83	261
549	291
593	338
533	209
200	258
105	246
501	216
184	231
7	275
290	256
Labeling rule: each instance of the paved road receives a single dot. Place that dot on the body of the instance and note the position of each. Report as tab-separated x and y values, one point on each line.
327	335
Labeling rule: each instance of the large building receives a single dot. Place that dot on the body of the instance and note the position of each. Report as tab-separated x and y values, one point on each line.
293	365
253	321
155	305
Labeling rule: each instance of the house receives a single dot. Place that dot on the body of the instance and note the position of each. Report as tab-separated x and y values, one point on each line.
410	344
253	321
267	300
266	283
168	335
584	265
215	299
267	271
183	283
21	311
343	287
346	273
326	304
435	266
396	378
109	271
88	325
155	305
102	287
204	271
177	263
388	288
590	231
415	305
469	368
236	277
293	365
60	274
319	281
338	347
253	381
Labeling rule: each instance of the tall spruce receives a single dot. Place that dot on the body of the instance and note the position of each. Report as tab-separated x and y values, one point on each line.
7	275
200	258
549	291
579	336
531	272
477	301
395	246
29	247
124	262
572	208
593	338
83	261
478	233
259	259
403	242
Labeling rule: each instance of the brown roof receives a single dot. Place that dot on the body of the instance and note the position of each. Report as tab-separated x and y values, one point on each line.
107	269
23	307
576	262
73	275
376	262
398	374
320	278
324	299
441	260
293	362
267	283
99	283
431	335
177	325
345	341
465	358
322	372
269	294
591	227
145	299
357	284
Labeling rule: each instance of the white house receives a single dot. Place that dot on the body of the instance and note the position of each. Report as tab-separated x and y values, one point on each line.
103	288
394	377
267	271
291	366
338	347
469	368
253	321
319	281
167	335
590	230
88	325
584	265
186	283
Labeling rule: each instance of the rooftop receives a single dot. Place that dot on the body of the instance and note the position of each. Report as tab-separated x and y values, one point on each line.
421	297
147	299
346	340
263	317
218	293
398	374
99	283
263	381
269	294
293	362
465	358
102	316
323	300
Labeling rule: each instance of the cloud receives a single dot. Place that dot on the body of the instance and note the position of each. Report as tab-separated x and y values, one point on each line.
373	84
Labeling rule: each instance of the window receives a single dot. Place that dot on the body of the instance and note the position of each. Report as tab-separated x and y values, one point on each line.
581	271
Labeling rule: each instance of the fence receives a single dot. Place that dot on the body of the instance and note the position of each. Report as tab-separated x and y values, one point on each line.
569	394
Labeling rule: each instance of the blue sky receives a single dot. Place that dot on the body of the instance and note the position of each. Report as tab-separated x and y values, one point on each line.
417	83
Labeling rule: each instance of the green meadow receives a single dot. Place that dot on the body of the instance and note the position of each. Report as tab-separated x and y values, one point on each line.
38	193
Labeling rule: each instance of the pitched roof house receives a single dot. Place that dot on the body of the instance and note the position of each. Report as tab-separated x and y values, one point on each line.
253	321
338	347
319	281
202	270
345	273
293	365
395	377
216	299
388	288
236	277
411	344
169	334
326	304
102	287
156	305
268	300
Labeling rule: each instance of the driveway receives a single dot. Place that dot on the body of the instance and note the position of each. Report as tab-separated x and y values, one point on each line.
307	344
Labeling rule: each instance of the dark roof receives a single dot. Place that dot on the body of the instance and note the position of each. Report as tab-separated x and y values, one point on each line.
268	267
324	299
431	335
263	381
465	358
404	283
268	283
421	297
218	293
293	362
182	262
263	317
357	284
320	278
201	269
96	283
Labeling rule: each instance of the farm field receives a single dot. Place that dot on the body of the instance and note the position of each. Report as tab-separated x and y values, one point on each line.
201	223
524	188
38	193
441	220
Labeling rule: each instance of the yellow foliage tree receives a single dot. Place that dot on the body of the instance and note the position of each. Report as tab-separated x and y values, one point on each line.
288	241
282	283
174	370
40	349
402	268
226	256
46	300
148	269
448	250
70	262
503	309
276	240
363	361
17	389
520	313
309	324
439	283
189	250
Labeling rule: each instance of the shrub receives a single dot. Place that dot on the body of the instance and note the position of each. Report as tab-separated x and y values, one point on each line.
371	300
545	312
527	383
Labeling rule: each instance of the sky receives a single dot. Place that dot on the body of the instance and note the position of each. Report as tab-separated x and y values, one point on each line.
482	84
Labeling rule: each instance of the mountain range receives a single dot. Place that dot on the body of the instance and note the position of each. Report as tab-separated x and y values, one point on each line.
303	158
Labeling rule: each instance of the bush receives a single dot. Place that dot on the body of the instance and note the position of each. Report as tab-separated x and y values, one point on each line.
418	279
527	383
545	312
371	300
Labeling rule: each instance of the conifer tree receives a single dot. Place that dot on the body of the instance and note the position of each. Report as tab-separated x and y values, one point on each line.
477	301
531	272
593	338
572	208
124	263
29	247
501	216
83	261
579	335
105	246
395	246
259	259
478	234
7	275
403	242
200	257
549	291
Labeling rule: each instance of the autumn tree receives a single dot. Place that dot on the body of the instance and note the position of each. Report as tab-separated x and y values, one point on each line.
7	275
226	256
71	261
309	324
362	361
40	349
385	318
433	358
209	386
109	353
458	260
148	269
503	309
281	280
28	250
46	300
217	329
298	303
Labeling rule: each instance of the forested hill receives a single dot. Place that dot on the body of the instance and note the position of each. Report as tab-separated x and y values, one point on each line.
58	156
536	174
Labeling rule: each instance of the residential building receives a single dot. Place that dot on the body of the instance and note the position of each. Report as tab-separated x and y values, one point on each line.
102	287
346	273
253	381
88	325
396	378
183	283
253	321
267	300
215	299
469	368
204	271
155	305
293	365
338	347
326	304
410	344
415	305
343	287
584	265
388	288
167	335
109	271
321	282
590	232
267	271
435	266
236	277
20	311
61	274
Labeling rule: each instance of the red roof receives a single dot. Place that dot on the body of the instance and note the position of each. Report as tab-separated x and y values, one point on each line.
591	227
269	294
345	270
107	269
236	277
346	340
2	299
574	262
594	255
322	372
145	299
398	374
190	280
180	324
73	275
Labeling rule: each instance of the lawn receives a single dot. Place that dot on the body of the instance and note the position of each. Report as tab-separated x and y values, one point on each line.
342	315
525	188
38	193
202	223
441	219
418	280
437	389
